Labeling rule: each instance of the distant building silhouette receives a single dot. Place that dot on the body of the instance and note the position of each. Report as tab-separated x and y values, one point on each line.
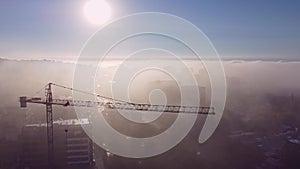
173	93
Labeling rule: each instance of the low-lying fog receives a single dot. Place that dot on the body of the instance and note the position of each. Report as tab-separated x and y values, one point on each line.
253	78
261	98
248	83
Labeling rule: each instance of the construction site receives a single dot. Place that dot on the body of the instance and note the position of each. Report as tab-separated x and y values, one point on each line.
64	144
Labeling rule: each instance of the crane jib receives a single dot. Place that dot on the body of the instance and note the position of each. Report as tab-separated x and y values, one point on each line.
121	106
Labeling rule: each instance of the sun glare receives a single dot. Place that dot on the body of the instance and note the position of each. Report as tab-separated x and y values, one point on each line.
97	11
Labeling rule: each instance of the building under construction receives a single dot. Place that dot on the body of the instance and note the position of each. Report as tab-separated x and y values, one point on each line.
73	149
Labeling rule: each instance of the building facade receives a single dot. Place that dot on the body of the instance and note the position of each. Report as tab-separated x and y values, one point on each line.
73	149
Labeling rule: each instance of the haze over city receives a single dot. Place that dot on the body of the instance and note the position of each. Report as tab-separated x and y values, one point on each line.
164	96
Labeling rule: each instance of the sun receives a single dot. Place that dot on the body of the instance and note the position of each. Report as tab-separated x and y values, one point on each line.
97	11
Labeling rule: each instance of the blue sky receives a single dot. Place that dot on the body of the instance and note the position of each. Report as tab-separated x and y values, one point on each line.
239	29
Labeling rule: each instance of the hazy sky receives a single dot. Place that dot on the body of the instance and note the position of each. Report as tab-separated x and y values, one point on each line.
239	29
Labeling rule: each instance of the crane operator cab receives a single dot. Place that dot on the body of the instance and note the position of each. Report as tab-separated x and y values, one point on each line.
23	102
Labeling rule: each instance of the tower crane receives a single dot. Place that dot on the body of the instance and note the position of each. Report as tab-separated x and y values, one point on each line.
106	103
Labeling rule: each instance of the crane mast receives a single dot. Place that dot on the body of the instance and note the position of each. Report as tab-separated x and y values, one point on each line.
105	102
49	118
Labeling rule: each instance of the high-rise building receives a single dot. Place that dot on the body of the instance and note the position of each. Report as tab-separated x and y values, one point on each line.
73	149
